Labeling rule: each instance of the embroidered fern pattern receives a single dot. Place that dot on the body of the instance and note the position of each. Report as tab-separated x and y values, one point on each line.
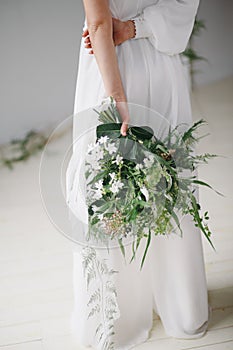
103	299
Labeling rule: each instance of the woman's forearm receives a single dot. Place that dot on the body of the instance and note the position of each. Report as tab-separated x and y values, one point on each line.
99	22
104	52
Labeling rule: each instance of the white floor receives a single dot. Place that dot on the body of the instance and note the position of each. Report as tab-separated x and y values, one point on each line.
36	260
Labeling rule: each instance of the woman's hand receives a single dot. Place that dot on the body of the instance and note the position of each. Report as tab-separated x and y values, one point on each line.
124	113
122	31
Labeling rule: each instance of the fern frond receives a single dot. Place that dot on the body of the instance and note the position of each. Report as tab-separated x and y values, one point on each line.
94	311
94	297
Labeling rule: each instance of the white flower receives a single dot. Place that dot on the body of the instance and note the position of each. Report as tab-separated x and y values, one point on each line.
145	192
116	186
113	177
148	161
95	165
99	185
99	153
95	154
97	194
94	208
103	139
111	148
139	166
100	216
90	147
118	160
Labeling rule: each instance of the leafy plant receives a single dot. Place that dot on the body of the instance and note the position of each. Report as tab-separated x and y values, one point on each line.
136	182
190	53
21	149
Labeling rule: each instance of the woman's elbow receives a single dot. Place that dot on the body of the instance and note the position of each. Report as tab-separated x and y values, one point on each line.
101	25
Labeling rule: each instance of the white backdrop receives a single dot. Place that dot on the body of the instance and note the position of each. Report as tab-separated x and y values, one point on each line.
39	44
215	43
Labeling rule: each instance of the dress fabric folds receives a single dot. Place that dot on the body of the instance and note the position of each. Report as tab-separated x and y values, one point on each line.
172	281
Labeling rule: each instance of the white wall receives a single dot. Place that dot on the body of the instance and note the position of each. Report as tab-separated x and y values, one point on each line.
216	42
39	43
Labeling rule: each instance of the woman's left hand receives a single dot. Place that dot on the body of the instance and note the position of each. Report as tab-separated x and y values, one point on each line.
122	31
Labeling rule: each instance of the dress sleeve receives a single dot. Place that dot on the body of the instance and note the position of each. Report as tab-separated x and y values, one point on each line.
167	24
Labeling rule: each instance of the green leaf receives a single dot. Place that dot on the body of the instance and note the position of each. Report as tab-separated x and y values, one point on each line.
192	55
137	246
161	148
99	176
189	132
142	133
175	217
199	220
198	182
133	214
121	246
198	26
128	148
146	249
112	130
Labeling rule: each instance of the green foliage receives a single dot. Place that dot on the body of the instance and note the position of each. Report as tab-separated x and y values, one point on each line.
192	55
141	133
198	26
151	197
112	129
21	149
189	52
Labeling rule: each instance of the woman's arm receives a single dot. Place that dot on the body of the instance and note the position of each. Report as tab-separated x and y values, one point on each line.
99	23
122	31
167	24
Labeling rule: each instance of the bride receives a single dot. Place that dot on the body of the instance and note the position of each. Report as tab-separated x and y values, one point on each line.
130	50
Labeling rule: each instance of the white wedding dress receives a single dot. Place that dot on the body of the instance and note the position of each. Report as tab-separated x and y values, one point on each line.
172	281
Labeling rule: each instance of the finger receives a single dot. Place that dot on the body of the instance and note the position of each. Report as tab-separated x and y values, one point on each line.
124	129
117	42
115	20
124	113
88	46
85	33
87	40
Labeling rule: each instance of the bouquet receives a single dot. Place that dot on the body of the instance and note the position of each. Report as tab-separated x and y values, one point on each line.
138	185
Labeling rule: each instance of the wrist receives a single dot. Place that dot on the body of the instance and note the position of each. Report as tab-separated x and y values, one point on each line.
119	98
131	28
142	29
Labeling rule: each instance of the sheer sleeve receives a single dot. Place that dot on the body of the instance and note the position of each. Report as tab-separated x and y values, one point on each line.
167	24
